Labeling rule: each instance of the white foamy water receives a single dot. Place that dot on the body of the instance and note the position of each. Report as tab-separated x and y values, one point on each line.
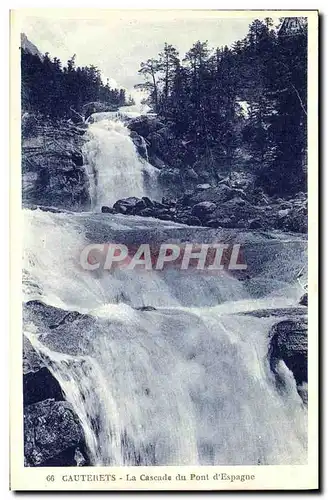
114	168
188	383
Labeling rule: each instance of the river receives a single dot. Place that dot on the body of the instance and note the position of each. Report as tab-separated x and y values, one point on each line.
187	382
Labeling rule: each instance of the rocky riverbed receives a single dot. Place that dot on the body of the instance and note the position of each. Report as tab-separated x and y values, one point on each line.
220	206
53	433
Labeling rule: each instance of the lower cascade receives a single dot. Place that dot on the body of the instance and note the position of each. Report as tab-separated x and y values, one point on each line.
161	368
184	383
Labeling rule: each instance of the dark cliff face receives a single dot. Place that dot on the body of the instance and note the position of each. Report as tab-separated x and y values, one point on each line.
52	164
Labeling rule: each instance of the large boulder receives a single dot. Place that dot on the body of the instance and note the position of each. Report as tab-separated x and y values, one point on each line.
289	344
128	205
145	125
38	381
218	194
304	300
294	220
107	210
189	220
203	209
237	209
51	429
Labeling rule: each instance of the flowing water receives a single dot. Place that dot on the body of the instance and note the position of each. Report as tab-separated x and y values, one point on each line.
114	168
185	383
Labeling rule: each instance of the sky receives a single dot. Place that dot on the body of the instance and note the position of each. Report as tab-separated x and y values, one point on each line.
117	42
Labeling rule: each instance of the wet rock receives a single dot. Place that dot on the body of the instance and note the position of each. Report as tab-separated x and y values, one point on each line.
217	223
164	216
107	210
145	125
159	206
156	161
289	343
189	220
147	201
77	158
140	144
37	312
40	385
169	202
50	428
203	209
214	223
31	359
304	300
140	205
146	308
186	200
294	312
126	205
147	212
255	224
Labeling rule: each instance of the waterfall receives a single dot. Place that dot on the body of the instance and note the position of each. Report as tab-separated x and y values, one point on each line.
161	367
114	168
187	383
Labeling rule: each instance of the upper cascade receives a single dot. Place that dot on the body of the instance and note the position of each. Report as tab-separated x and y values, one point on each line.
114	168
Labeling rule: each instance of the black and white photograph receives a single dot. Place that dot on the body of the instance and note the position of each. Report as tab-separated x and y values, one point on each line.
164	178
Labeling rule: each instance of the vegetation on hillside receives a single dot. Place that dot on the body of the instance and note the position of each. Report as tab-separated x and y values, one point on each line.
239	107
54	90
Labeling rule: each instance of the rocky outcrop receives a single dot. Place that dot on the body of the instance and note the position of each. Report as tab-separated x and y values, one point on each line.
218	207
145	125
38	382
51	429
140	144
53	434
145	208
288	342
291	312
52	164
108	210
304	300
